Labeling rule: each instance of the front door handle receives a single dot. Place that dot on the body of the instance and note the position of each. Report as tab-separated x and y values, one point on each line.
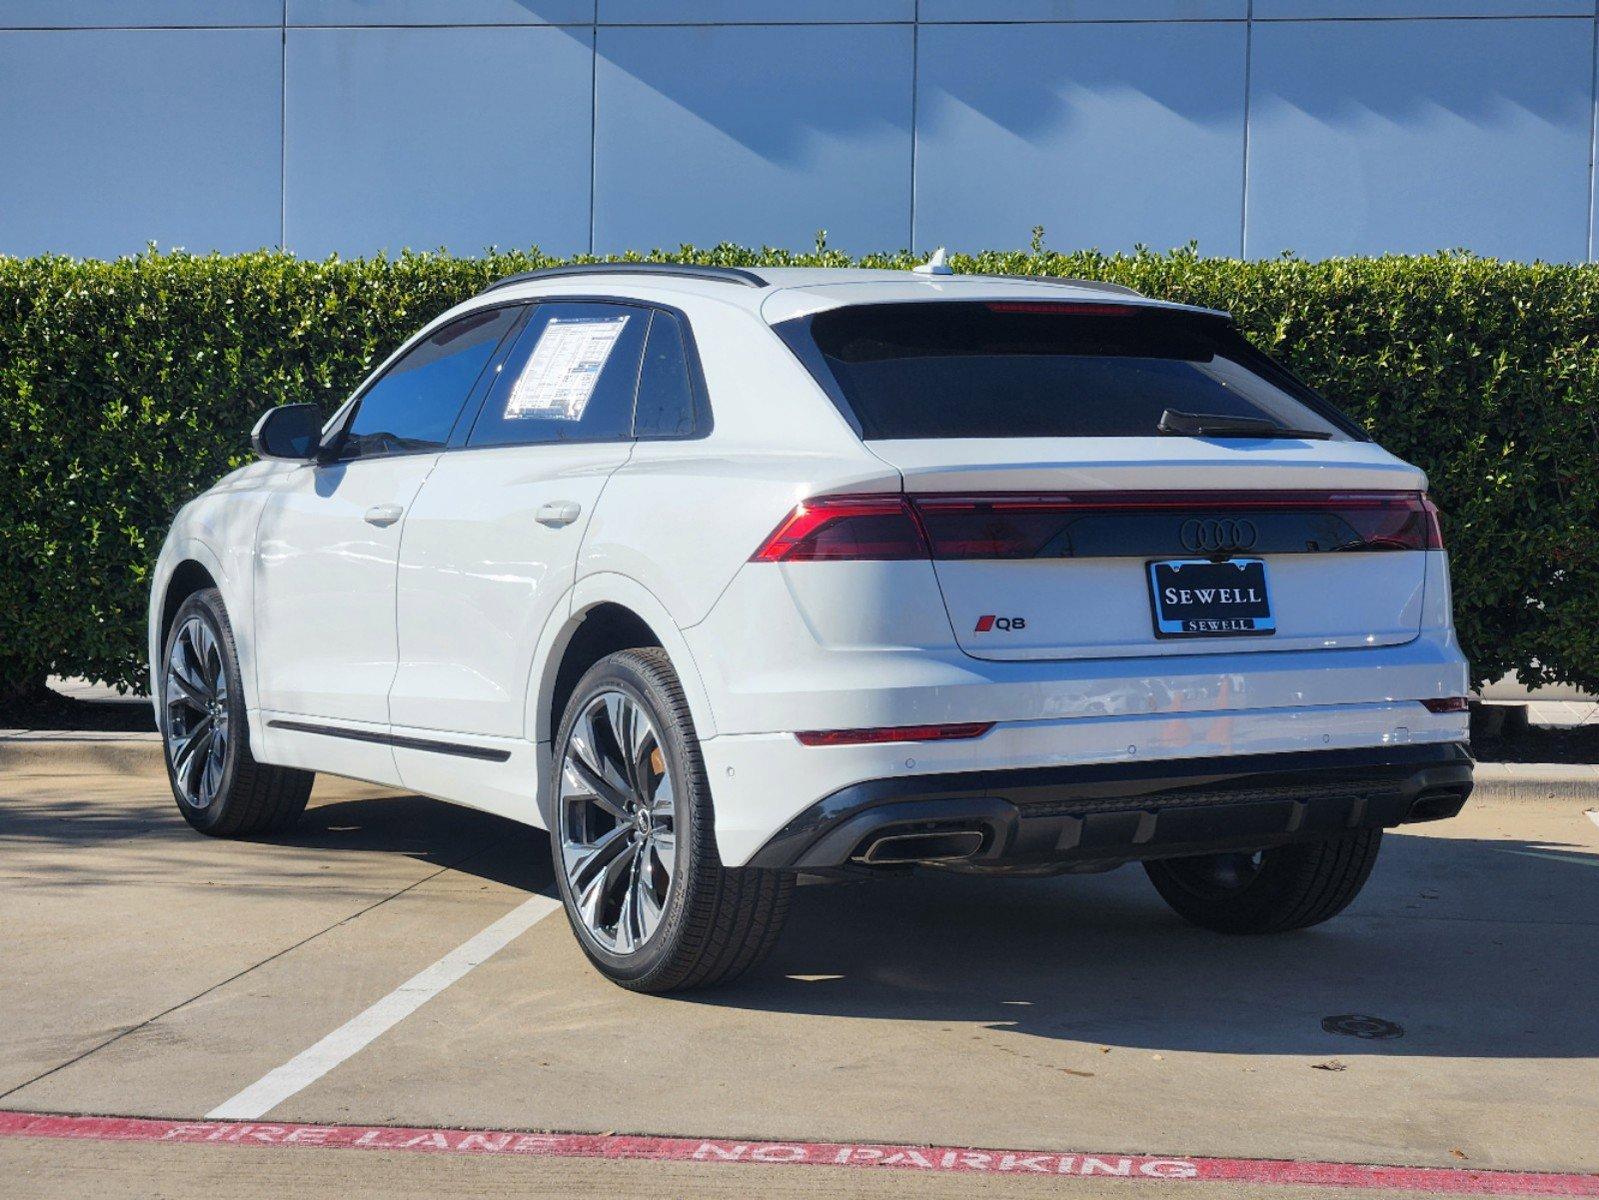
384	514
558	512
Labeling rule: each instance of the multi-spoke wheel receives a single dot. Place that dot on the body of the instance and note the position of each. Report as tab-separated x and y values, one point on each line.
618	821
219	786
196	694
634	843
1268	891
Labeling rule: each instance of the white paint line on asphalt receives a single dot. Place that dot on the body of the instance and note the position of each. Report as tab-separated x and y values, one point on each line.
1562	856
310	1065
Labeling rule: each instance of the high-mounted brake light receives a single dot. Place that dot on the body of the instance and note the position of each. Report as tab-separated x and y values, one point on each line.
1065	308
854	528
895	733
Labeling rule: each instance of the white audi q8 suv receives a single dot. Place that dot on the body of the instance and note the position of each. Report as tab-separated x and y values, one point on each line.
727	576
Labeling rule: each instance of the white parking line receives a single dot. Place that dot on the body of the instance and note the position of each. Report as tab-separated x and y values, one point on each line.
310	1065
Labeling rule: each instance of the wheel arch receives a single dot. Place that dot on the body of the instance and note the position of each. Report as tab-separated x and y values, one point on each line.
608	612
187	578
187	567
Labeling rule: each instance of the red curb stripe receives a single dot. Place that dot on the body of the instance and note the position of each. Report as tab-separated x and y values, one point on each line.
942	1159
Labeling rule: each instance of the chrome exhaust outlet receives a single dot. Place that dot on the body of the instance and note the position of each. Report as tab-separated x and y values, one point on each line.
946	845
1436	805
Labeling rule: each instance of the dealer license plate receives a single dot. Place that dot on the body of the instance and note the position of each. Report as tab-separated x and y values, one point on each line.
1195	597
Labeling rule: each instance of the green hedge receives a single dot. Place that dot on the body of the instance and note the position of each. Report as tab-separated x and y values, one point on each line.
127	386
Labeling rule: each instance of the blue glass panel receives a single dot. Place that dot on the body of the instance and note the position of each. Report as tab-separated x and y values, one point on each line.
1369	137
114	138
1107	135
753	134
421	138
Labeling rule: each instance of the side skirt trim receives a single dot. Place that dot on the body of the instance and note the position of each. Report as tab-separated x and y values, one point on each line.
397	741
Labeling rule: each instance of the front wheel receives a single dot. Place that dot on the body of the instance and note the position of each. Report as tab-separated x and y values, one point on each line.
220	788
634	843
1268	891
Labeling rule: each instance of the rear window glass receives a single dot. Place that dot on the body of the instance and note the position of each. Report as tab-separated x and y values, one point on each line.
1015	369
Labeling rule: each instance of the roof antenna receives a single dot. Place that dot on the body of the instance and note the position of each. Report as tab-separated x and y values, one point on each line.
938	264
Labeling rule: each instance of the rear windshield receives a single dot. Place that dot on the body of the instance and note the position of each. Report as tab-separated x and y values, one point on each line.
1008	369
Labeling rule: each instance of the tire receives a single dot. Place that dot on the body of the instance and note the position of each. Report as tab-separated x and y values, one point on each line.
220	788
633	838
1273	891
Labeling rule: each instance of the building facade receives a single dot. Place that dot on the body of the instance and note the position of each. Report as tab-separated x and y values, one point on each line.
1254	127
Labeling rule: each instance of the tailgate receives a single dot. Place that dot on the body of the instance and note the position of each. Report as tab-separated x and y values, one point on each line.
1049	555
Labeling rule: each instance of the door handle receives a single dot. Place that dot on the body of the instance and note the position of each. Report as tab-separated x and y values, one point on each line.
558	512
384	514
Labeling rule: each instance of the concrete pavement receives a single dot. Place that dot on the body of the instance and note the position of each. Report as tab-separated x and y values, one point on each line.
150	971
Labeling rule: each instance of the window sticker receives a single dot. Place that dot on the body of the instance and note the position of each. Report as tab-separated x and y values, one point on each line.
564	368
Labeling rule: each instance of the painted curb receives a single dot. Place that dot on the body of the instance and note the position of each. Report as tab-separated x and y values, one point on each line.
1458	1181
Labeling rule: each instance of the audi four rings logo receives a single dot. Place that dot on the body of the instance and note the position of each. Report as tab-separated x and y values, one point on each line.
1213	535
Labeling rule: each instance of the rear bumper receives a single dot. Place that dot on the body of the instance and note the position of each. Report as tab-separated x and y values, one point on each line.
1109	813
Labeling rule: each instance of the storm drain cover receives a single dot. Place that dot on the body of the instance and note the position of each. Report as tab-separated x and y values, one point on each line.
1361	1026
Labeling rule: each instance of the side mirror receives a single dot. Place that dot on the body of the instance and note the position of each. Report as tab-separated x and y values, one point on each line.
290	431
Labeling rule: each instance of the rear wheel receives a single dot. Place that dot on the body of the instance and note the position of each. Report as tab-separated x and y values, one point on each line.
1268	891
220	789
633	839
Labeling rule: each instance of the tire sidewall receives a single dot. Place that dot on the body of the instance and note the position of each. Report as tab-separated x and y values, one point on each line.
207	605
621	672
1297	886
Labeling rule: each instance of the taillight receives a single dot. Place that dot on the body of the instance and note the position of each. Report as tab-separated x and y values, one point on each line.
1447	704
998	525
895	733
856	528
1434	537
1013	525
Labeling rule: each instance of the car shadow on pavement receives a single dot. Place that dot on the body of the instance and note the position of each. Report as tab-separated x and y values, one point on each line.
491	848
1473	948
46	827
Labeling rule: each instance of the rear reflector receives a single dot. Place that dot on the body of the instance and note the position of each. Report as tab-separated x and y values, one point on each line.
895	733
851	528
1447	704
998	525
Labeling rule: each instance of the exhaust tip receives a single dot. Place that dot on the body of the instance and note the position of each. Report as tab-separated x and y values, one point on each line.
946	845
1437	805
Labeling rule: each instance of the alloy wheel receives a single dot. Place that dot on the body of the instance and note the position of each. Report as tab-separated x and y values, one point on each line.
618	822
196	701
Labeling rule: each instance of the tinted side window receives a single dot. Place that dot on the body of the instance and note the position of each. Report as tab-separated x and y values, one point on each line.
570	377
414	404
665	405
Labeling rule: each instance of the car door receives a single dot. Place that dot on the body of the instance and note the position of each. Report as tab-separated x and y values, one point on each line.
328	544
491	542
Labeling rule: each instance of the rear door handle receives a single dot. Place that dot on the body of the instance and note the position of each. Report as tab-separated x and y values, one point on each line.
384	514
558	512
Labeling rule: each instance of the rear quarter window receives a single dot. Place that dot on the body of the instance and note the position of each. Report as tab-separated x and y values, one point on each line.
1006	369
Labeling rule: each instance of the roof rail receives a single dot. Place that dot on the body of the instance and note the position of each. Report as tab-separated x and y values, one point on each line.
676	270
1093	285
